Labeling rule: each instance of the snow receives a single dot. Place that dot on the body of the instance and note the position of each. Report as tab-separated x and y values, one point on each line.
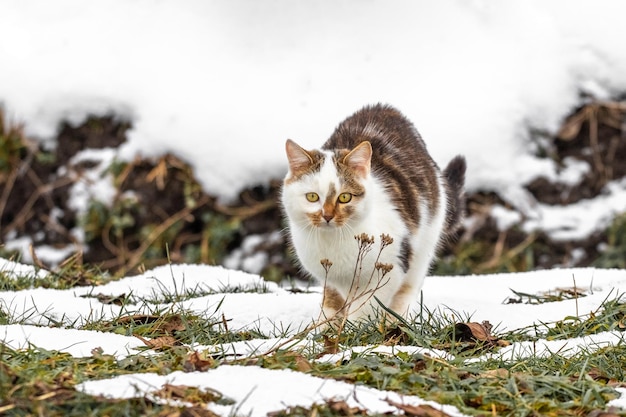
93	183
579	220
223	84
78	343
619	402
250	304
277	389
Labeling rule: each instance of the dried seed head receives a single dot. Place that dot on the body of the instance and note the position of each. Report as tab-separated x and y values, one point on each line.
326	264
364	239
384	268
385	240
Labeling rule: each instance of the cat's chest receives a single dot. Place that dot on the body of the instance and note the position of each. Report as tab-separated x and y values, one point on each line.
346	253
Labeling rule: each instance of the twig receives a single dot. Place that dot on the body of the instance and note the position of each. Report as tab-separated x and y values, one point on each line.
245	212
158	231
26	211
575	294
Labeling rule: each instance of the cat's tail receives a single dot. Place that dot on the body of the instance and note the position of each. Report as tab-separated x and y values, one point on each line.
454	174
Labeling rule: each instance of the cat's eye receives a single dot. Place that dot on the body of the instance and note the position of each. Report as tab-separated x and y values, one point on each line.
312	197
344	198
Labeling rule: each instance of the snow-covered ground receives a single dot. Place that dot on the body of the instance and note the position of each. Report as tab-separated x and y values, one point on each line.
277	312
223	83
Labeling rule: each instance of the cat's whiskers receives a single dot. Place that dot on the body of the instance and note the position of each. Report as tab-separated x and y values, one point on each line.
311	231
346	234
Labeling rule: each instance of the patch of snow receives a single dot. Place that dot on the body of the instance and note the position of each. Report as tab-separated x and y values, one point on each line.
579	220
255	263
573	171
546	348
78	343
186	278
619	402
52	256
385	350
257	391
16	269
504	217
22	245
251	257
92	184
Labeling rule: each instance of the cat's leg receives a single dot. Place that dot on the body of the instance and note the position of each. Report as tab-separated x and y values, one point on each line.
408	291
333	306
402	299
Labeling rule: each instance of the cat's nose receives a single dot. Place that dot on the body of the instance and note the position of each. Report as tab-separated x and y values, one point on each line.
328	217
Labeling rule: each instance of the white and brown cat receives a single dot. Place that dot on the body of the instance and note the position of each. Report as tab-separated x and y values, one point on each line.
373	176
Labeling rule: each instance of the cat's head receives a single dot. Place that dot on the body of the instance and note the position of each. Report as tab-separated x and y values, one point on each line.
326	188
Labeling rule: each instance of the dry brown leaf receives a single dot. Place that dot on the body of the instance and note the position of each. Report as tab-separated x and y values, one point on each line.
158	173
111	299
611	412
423	410
190	394
195	362
331	345
571	127
162	342
302	364
172	392
419	365
597	375
171	324
342	407
474	332
496	373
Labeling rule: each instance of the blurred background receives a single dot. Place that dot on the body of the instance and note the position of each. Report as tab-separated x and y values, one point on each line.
138	133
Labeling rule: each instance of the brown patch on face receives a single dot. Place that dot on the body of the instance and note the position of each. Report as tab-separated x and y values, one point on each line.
315	218
333	301
349	178
350	183
343	212
328	209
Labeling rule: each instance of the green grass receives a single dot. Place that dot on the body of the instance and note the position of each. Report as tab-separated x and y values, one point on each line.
72	273
472	377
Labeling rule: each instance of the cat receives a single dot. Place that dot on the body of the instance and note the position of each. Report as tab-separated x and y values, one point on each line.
372	180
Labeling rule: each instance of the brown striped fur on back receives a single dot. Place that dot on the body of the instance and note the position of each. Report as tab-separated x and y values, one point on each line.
400	158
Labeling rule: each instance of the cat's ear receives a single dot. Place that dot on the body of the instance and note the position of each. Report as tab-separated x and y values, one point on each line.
299	158
360	158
